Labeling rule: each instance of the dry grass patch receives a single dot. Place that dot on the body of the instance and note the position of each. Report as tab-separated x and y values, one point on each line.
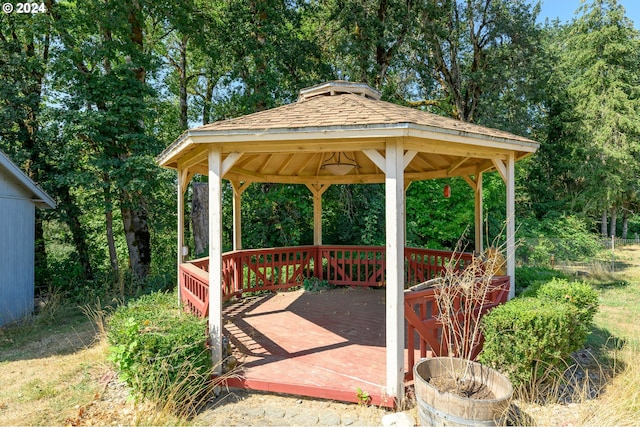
49	390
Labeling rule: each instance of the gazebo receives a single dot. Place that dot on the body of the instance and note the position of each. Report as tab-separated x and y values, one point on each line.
336	133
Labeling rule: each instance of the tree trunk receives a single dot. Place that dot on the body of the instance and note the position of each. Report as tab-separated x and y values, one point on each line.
625	224
603	224
184	124
136	231
71	217
200	216
41	272
614	217
208	96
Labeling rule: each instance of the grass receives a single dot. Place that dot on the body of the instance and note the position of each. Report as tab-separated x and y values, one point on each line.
614	343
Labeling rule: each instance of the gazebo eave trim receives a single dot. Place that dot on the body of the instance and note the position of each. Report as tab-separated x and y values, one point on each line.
196	136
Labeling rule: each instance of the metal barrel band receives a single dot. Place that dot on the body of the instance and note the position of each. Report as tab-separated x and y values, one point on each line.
424	406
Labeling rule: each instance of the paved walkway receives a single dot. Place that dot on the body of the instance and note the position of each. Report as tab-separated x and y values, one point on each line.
242	408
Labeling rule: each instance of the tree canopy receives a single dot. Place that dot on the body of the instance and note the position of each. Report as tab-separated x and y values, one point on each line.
92	91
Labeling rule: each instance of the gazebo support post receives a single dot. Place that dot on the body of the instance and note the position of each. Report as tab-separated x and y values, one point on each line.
180	230
507	172
478	214
215	256
317	190
511	224
238	189
394	224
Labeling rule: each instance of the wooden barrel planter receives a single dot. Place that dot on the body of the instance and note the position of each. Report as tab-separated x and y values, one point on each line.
437	408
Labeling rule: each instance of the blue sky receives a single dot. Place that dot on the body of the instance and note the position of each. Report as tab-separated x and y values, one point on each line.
565	10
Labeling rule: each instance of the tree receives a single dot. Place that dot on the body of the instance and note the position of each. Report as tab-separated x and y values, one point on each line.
467	49
589	162
103	66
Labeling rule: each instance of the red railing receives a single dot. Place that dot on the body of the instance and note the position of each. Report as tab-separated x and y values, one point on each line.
352	265
194	288
421	314
257	270
424	264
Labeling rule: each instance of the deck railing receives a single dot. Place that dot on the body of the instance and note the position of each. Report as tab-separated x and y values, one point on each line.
257	270
421	314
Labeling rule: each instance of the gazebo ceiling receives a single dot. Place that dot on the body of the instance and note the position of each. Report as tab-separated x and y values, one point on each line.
290	144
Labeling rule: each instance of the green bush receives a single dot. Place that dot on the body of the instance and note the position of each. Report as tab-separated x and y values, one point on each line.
579	294
526	337
527	276
159	350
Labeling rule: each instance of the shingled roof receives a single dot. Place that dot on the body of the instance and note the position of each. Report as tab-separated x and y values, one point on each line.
294	143
349	111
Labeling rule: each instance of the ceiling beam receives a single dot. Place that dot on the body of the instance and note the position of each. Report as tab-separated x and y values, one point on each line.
456	165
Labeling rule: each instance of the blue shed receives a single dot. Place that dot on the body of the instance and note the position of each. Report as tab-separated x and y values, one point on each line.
19	198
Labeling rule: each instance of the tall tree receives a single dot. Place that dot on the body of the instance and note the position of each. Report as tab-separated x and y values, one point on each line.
103	67
466	49
589	162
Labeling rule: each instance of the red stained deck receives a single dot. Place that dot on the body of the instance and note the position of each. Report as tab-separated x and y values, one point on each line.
324	345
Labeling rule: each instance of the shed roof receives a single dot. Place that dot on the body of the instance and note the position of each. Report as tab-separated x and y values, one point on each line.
39	197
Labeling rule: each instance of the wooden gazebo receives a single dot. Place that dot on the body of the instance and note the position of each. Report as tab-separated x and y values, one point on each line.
341	133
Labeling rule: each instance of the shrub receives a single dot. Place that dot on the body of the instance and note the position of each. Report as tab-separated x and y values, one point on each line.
527	336
160	351
527	276
579	294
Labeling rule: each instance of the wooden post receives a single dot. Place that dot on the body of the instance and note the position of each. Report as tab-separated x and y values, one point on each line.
180	228
237	213
394	223
478	214
511	224
317	190
215	257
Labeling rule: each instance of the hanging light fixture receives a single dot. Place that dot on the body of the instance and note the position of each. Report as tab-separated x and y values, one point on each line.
339	163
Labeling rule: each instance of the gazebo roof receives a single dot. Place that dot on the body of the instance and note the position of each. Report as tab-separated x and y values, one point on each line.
291	143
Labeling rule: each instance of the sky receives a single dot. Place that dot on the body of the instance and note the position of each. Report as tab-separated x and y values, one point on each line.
565	10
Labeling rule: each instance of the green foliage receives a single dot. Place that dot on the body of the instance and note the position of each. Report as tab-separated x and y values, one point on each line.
364	398
579	294
589	159
527	276
565	237
530	336
159	350
354	214
313	284
527	338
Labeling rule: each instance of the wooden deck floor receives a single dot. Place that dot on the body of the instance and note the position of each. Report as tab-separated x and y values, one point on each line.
324	345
